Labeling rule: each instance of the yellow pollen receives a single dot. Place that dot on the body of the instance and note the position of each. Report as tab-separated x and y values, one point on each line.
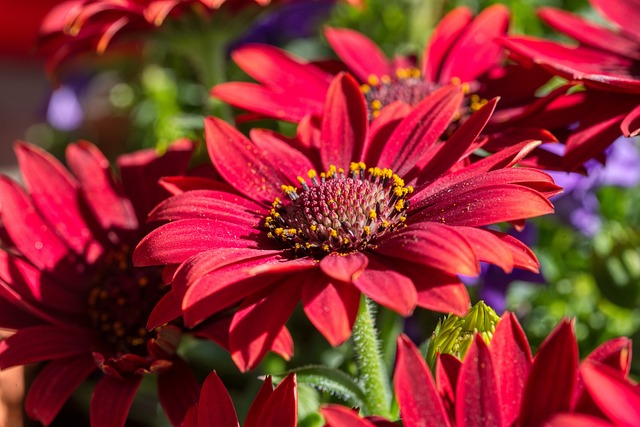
409	189
398	191
373	80
312	174
313	227
399	205
367	230
332	171
385	79
372	214
292	231
375	113
402	218
415	72
300	179
276	202
376	104
456	81
333	233
385	223
325	248
279	231
403	73
365	88
465	87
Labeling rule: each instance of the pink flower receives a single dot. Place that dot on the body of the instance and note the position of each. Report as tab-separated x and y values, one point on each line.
398	232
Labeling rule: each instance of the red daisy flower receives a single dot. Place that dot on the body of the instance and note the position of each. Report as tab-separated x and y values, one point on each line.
271	408
398	232
606	60
68	288
462	50
501	384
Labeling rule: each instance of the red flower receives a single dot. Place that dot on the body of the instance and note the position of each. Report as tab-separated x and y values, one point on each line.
79	26
462	50
271	408
606	60
500	383
341	233
68	287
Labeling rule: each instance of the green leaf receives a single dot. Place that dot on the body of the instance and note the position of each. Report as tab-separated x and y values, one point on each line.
330	380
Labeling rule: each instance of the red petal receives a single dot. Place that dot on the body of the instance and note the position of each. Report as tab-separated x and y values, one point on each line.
447	371
363	57
588	33
105	199
331	306
165	311
215	407
175	242
457	145
576	420
442	39
476	50
281	408
344	123
28	231
512	362
418	399
253	97
500	249
111	400
551	381
259	402
281	71
54	385
40	343
478	402
615	395
340	416
140	172
258	321
387	287
344	267
630	126
625	13
55	192
420	130
434	245
241	163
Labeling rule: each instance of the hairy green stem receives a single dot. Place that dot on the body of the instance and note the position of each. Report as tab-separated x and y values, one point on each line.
373	373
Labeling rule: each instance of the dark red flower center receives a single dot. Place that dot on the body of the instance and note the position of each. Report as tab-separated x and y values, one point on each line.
339	213
120	301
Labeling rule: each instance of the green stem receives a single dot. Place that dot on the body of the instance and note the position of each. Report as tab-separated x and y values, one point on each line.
373	374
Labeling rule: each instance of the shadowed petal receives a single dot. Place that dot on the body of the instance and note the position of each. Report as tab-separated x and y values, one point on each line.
281	407
105	199
420	404
40	343
344	123
259	402
215	407
331	306
625	13
551	381
420	130
442	39
512	361
258	321
111	400
477	400
630	126
55	192
166	310
54	385
358	52
178	390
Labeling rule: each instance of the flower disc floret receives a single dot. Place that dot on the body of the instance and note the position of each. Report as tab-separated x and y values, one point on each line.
339	212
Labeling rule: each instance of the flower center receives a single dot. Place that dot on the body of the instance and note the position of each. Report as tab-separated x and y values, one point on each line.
407	86
120	301
339	213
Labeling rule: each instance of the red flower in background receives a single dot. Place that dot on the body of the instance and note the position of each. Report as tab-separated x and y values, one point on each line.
271	408
606	61
462	50
80	26
500	384
69	290
341	233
